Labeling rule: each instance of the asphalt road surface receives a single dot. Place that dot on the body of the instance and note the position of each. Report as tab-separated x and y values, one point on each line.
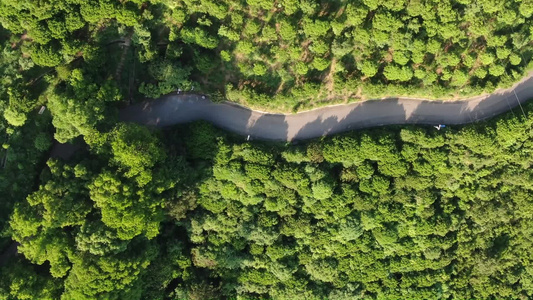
176	109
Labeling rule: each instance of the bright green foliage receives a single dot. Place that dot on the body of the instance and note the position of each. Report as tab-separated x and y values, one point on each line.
301	68
128	209
322	190
134	148
79	107
260	69
90	221
14	118
284	51
21	281
52	26
45	56
369	68
61	203
109	277
96	239
526	8
23	150
281	50
16	112
393	72
496	70
383	202
459	78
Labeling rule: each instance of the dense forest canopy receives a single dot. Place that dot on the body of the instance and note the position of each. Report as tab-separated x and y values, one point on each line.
192	212
289	54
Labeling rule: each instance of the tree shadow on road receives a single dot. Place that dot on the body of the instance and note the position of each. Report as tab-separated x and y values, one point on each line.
173	109
334	121
397	111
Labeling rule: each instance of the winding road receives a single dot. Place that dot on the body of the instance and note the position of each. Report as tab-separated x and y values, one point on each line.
177	109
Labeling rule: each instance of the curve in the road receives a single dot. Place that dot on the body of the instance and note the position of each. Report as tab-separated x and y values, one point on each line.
178	109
